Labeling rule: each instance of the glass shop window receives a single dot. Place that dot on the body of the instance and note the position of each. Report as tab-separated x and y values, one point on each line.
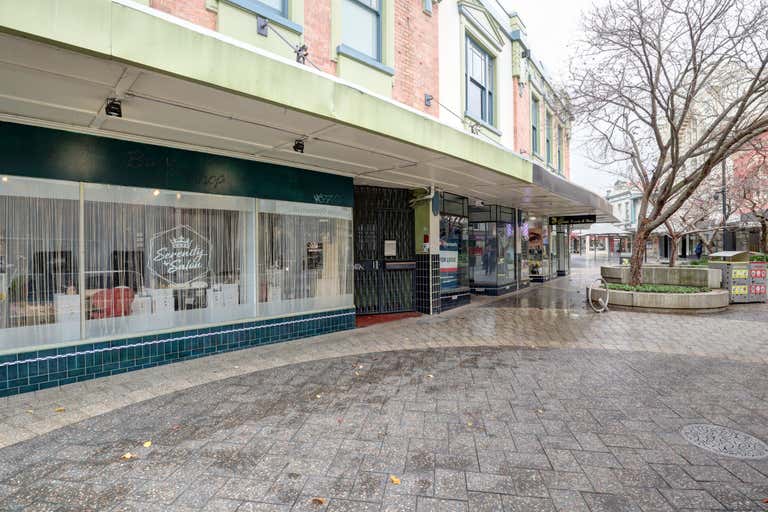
305	257
483	248
506	253
525	238
39	290
157	259
454	253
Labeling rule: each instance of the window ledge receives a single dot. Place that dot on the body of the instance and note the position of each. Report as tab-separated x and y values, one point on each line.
347	51
271	14
482	123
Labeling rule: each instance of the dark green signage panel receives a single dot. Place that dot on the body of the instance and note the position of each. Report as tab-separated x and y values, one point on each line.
572	219
55	154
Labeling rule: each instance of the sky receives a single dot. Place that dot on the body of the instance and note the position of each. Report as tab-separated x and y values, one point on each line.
552	27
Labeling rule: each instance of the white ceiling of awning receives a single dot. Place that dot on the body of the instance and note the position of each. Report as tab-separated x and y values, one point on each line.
48	86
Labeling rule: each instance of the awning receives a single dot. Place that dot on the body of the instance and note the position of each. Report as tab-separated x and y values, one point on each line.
603	229
188	87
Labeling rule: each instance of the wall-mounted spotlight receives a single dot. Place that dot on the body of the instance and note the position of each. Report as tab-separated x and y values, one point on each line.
298	146
113	108
428	99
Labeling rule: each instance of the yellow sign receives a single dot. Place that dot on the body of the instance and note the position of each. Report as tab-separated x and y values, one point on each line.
739	290
740	273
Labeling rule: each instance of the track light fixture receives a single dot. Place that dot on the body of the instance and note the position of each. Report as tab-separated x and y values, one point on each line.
113	108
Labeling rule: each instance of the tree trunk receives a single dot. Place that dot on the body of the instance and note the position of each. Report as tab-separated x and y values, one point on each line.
638	257
672	251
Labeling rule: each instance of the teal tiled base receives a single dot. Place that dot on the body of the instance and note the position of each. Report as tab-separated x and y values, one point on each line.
32	371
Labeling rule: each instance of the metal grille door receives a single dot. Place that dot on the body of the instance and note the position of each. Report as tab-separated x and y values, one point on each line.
384	250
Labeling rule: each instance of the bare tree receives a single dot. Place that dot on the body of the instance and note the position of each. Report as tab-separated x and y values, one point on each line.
670	89
751	184
702	214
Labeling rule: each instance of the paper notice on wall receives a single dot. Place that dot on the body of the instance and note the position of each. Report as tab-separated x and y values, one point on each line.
390	248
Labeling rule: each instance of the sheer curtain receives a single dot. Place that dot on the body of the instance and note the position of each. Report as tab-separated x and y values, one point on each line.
305	258
39	295
162	259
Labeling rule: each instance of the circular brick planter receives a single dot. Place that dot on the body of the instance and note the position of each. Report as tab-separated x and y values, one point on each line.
715	299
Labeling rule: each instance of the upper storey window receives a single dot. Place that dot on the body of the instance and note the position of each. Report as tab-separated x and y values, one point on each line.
479	83
361	22
535	133
279	6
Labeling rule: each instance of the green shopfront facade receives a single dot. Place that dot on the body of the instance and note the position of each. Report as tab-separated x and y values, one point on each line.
117	256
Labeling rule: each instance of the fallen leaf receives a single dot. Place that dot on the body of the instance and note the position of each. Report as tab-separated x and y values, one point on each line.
175	426
430	376
318	395
30	411
318	501
147	444
128	456
357	373
540	411
469	423
59	409
394	480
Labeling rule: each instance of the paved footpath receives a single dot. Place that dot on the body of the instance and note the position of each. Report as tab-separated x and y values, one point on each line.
526	403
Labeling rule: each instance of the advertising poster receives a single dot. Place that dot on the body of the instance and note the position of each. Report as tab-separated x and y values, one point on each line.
449	264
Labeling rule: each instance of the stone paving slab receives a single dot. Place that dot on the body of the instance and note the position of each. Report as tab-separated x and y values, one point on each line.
460	429
550	316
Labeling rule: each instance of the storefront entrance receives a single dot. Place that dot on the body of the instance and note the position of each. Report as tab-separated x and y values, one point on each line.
385	258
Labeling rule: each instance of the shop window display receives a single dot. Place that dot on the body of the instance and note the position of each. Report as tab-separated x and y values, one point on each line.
39	240
305	257
454	257
160	259
538	252
522	249
492	246
82	261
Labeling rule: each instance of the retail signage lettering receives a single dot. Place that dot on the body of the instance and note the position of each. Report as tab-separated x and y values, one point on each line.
572	219
179	256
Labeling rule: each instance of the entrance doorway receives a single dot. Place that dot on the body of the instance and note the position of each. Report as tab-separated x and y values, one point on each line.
385	256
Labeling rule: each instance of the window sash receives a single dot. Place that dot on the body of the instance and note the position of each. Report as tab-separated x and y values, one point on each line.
548	136
279	6
535	125
481	78
372	7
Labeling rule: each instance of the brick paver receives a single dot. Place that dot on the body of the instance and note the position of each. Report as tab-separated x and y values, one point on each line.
525	403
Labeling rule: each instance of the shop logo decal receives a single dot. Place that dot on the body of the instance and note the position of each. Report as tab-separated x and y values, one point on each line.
180	256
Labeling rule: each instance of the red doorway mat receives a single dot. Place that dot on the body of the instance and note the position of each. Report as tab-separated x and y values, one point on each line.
367	320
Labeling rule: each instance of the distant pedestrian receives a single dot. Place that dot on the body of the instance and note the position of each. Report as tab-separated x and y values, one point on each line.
699	249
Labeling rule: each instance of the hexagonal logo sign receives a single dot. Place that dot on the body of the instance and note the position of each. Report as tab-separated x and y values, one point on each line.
181	257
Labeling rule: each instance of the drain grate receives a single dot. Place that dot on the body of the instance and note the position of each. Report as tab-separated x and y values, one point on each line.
725	441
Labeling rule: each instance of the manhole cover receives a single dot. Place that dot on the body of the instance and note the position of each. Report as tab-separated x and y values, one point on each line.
725	441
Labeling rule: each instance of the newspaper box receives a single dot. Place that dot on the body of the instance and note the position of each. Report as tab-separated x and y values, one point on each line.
734	266
744	280
758	279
